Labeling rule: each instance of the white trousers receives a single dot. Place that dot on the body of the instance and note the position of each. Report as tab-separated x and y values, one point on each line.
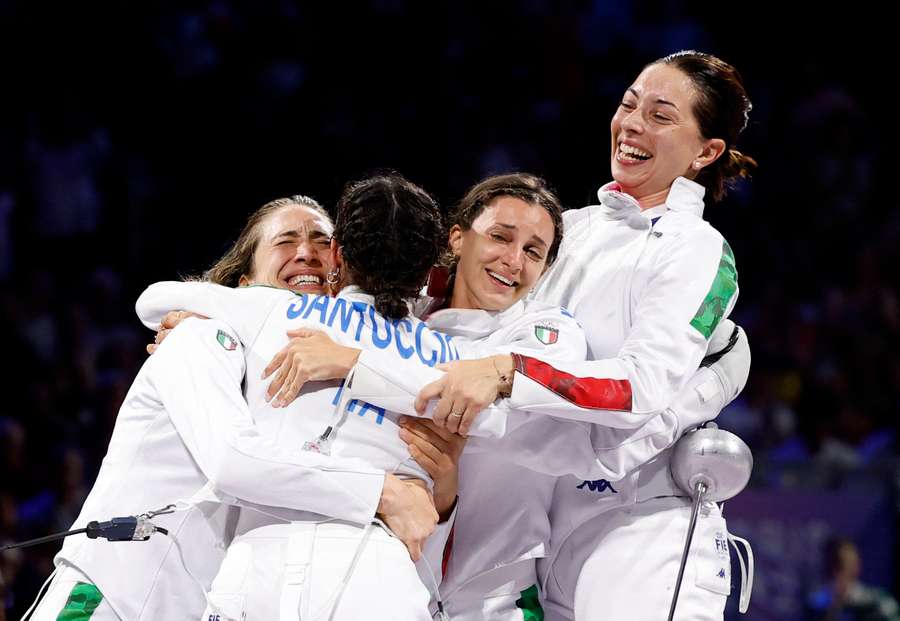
71	591
294	572
622	566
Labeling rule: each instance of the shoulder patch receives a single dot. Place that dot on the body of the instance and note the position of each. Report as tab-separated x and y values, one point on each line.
546	334
713	307
227	341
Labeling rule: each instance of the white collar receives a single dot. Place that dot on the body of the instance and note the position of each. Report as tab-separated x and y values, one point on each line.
473	323
684	195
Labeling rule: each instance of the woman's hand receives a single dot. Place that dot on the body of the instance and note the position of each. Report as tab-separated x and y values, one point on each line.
437	451
408	510
468	387
168	323
310	355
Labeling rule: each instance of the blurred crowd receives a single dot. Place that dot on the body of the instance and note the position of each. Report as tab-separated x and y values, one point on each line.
132	153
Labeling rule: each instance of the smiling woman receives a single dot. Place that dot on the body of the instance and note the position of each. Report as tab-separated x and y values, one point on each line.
289	250
508	230
649	281
680	117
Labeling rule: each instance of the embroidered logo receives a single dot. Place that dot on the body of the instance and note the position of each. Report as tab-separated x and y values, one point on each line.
721	573
599	486
226	341
547	335
721	545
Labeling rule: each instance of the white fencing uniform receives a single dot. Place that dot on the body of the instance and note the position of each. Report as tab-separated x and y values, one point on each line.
649	294
260	317
502	523
185	432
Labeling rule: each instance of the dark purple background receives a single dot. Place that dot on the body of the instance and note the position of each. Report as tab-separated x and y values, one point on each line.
134	142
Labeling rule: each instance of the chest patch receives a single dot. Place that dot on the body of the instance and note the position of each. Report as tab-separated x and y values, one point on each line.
547	335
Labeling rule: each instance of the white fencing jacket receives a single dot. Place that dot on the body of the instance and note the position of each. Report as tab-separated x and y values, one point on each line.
648	288
184	432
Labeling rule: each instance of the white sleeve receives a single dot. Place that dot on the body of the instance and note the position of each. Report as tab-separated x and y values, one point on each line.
245	309
382	379
558	447
393	384
198	380
692	287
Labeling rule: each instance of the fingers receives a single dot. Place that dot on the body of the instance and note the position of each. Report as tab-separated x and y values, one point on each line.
467	420
161	335
151	348
276	362
429	433
455	419
429	392
415	549
280	398
279	379
426	462
430	426
295	382
443	410
171	319
421	447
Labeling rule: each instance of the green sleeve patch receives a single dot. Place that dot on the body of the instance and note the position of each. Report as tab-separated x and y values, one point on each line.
83	601
713	307
530	604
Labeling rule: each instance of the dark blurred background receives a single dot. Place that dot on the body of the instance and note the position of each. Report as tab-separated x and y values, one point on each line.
133	143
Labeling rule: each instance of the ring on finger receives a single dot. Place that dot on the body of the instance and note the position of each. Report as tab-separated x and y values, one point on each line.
458	415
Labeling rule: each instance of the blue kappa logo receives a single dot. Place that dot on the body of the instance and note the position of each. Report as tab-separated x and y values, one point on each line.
600	485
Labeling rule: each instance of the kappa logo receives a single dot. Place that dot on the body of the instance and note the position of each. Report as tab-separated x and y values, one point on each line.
226	341
721	573
599	486
547	335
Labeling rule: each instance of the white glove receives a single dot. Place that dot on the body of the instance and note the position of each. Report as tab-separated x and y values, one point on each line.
728	356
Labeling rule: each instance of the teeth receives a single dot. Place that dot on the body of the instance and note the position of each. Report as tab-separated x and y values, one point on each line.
503	279
307	279
629	150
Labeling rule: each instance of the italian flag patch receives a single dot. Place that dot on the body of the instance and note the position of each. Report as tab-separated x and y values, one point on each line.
715	304
226	341
546	334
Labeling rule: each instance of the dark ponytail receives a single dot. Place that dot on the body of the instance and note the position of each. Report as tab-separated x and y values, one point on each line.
390	233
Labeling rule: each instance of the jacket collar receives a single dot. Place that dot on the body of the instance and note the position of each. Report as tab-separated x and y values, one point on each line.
684	195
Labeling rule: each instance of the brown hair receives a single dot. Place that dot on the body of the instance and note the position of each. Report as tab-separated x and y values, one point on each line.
238	260
529	188
722	111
